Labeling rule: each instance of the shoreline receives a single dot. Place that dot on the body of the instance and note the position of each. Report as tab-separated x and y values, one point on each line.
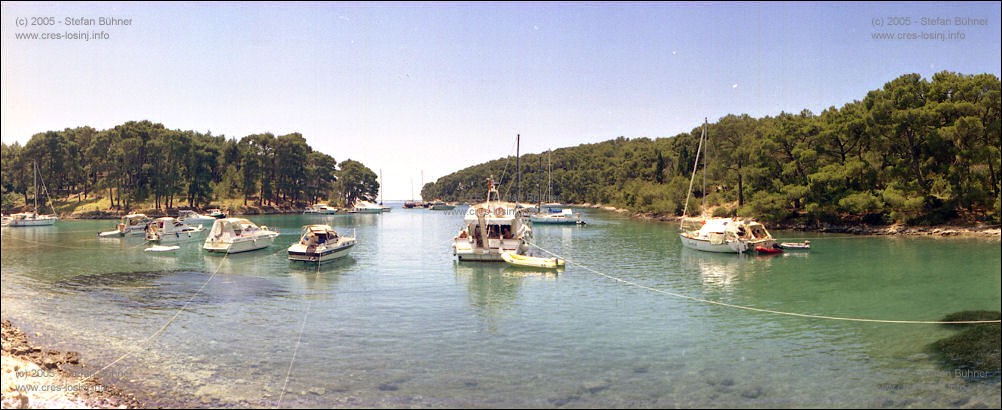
34	377
946	230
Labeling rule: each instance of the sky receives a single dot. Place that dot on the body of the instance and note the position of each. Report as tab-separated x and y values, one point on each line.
412	89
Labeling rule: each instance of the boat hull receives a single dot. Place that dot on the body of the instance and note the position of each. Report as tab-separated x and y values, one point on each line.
723	247
555	221
32	222
532	262
240	245
299	253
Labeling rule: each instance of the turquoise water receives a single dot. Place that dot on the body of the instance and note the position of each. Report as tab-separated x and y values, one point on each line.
399	323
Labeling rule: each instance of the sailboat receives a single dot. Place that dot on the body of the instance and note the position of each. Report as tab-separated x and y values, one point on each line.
385	208
553	216
33	218
721	235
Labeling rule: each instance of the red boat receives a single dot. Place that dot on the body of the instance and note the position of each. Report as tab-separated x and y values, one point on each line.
767	250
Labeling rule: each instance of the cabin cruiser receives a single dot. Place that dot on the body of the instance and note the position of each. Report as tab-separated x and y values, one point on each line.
192	218
490	229
170	230
234	235
320	243
366	207
320	209
132	224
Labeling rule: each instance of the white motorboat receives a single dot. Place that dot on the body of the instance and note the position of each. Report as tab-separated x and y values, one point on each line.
319	209
193	218
320	243
722	235
131	224
366	207
490	229
216	213
234	235
172	230
564	216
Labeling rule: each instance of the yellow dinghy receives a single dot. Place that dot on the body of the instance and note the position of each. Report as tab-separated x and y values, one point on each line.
515	259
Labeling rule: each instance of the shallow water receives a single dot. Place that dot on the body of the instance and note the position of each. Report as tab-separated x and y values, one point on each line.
399	323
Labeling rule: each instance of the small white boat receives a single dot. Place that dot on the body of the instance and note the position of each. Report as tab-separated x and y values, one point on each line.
132	224
366	207
216	213
526	261
234	235
795	246
319	209
171	230
162	248
562	217
320	243
193	218
441	206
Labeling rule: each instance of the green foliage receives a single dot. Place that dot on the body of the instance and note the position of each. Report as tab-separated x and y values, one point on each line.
142	161
356	182
916	151
860	203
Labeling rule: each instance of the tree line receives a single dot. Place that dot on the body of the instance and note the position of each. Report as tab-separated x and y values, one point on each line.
916	151
144	162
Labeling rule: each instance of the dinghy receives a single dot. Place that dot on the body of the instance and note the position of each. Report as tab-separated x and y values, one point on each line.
515	259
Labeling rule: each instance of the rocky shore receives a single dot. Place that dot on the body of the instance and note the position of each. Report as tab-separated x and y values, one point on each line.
34	377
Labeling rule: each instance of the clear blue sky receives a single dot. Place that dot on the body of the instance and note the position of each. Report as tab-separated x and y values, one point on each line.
437	87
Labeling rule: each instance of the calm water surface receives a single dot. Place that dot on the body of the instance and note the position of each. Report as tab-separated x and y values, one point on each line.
399	323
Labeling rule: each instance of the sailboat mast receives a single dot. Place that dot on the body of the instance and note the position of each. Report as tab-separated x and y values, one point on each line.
34	175
518	174
539	186
695	165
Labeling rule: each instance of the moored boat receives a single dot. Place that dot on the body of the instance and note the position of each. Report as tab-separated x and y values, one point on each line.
131	224
234	235
24	219
795	246
320	209
191	217
722	235
490	229
526	261
320	243
366	207
171	230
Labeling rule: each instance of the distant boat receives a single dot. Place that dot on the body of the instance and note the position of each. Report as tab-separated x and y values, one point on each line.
320	243
320	209
722	235
216	213
562	217
171	230
234	235
490	229
366	207
795	246
132	224
411	205
439	205
34	218
191	217
551	216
